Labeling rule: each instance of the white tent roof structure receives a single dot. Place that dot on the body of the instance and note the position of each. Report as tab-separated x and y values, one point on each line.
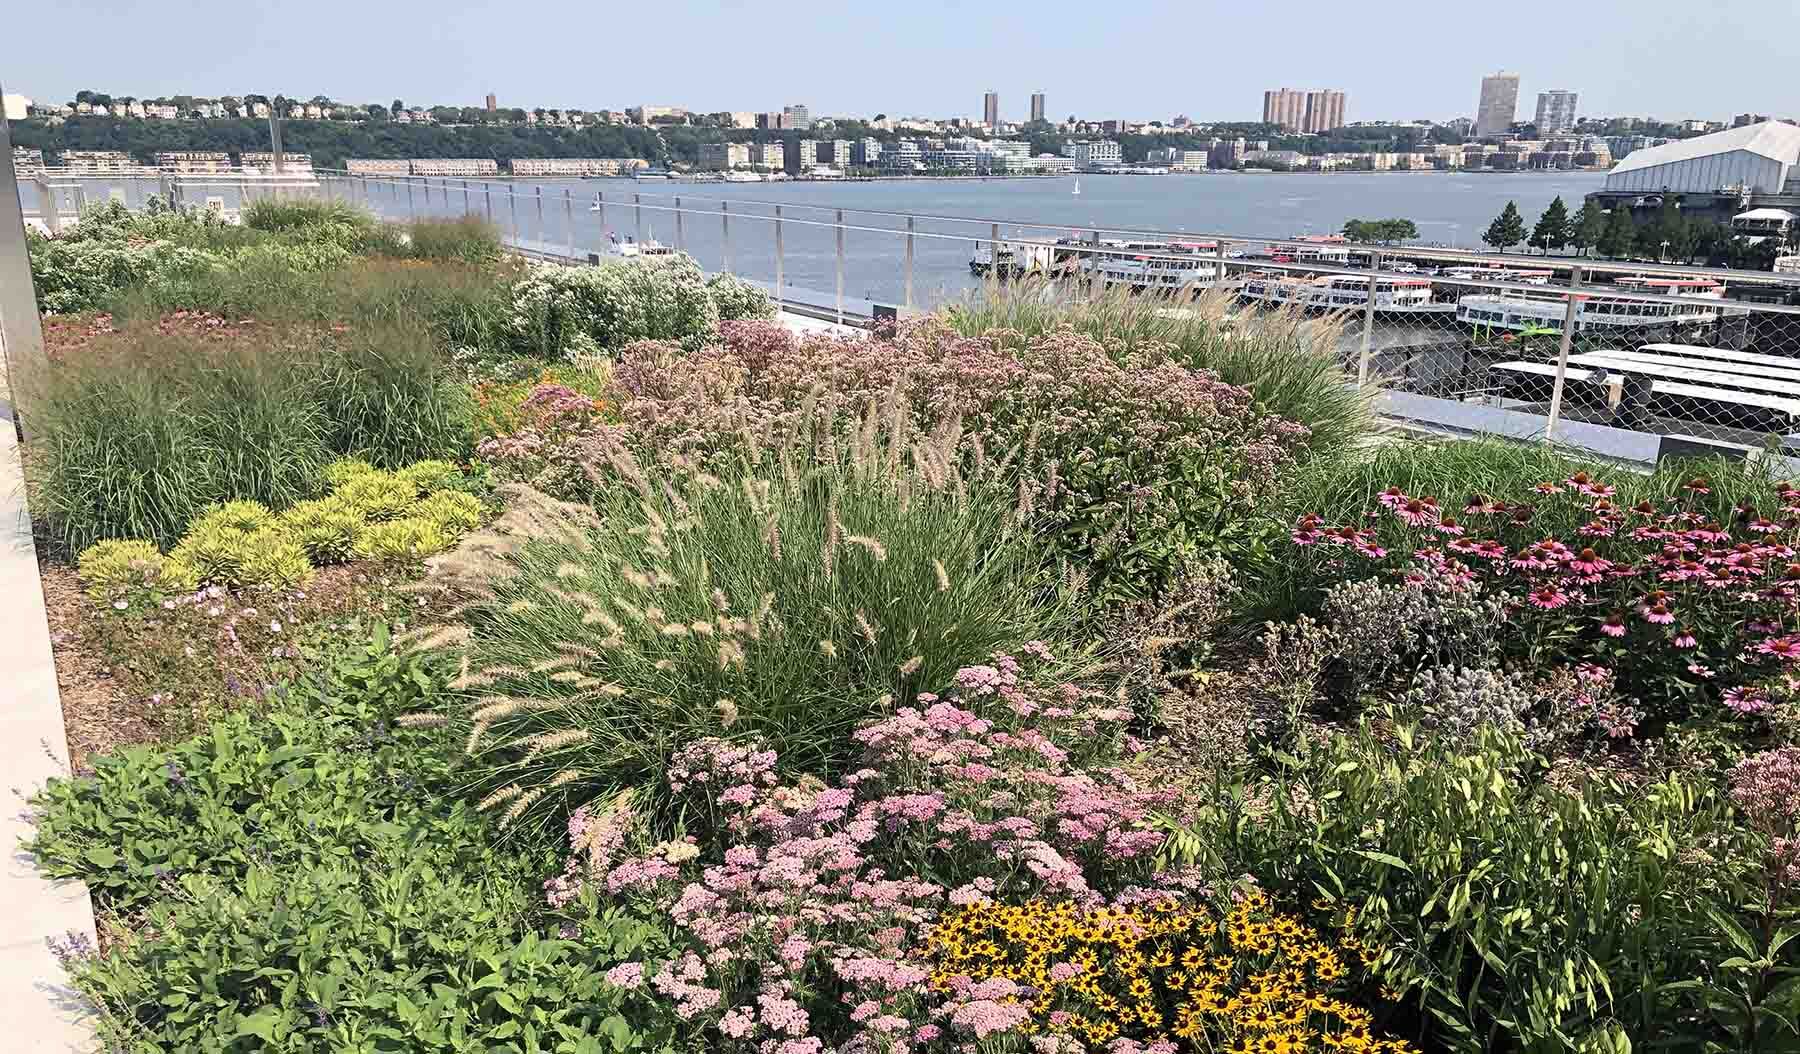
1766	214
1775	139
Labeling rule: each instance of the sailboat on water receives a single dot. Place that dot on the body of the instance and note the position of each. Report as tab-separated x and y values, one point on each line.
1077	190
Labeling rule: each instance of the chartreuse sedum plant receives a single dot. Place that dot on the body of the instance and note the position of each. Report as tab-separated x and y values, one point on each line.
402	516
126	570
785	598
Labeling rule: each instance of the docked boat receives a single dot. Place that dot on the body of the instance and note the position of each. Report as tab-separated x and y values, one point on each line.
1522	311
1167	267
1343	292
1332	250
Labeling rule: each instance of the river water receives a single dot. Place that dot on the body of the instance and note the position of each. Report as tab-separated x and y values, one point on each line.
1448	208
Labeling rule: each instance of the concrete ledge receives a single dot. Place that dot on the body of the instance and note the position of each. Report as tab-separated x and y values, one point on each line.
41	1013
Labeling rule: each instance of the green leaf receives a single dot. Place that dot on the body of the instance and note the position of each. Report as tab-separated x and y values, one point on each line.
102	856
1384	858
1734	932
261	1024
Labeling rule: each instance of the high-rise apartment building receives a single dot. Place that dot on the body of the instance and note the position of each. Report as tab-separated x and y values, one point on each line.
1499	103
1304	111
492	103
990	109
1555	112
796	117
1037	105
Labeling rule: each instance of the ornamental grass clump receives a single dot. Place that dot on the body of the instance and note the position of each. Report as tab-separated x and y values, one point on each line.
1126	468
563	313
780	599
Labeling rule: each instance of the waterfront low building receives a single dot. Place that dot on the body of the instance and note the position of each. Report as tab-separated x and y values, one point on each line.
262	162
95	161
454	166
191	162
723	157
563	166
377	166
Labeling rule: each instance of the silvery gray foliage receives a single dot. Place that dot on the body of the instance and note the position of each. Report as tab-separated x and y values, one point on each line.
1464	699
1381	627
735	299
564	312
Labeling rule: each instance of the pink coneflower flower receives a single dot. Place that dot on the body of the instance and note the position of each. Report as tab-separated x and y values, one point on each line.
1705	673
1546	487
1548	598
1482	505
1489	549
1787	649
1589	562
1467	546
1697	485
1364	543
1392	498
1614	626
1763	525
1746	700
1658	614
1341	535
1447	525
1416	513
1596	529
1709	532
1684	638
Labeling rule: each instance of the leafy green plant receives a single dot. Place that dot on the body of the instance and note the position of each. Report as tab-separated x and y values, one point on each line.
1514	911
406	539
306	879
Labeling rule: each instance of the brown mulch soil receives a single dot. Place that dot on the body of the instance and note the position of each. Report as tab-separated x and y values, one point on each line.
154	676
98	715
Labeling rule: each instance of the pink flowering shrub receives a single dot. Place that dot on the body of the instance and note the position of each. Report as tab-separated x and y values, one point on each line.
1685	608
540	445
1129	464
800	909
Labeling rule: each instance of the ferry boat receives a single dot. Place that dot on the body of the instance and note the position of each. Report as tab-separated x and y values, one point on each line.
1021	257
1343	292
1164	266
1330	249
1524	311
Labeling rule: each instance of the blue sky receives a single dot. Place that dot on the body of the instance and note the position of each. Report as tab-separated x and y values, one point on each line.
1137	60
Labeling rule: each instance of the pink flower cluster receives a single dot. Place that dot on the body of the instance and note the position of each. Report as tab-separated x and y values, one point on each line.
1719	596
818	887
1767	787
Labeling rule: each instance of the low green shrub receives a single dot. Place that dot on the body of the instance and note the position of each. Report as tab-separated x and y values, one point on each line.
306	878
377	495
466	239
784	604
325	528
735	299
454	512
562	313
1516	906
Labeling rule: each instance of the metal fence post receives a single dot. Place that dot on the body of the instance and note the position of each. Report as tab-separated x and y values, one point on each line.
679	240
993	252
1562	356
637	210
487	193
543	233
21	330
1368	332
600	210
569	218
1219	279
725	235
412	210
778	256
909	263
1092	264
512	203
48	209
840	266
